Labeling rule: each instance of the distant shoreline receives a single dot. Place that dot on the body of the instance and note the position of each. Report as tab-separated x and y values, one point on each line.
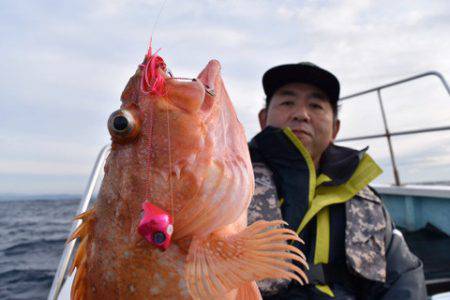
28	197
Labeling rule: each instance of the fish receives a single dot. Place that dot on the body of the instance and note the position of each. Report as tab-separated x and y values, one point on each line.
179	156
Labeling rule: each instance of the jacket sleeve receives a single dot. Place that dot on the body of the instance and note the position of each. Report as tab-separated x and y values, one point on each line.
264	206
405	278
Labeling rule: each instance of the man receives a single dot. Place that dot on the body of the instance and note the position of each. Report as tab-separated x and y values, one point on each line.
321	190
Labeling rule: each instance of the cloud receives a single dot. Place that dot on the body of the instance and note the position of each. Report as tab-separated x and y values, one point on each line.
65	64
368	40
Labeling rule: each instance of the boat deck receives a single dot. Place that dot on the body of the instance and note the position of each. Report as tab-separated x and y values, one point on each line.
432	246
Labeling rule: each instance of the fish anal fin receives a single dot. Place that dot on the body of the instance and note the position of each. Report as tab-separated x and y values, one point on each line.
217	264
80	260
79	255
84	227
85	215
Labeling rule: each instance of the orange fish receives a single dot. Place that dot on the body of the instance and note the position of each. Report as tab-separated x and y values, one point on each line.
177	145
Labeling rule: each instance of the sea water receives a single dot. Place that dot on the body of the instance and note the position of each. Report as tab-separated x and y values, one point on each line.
32	237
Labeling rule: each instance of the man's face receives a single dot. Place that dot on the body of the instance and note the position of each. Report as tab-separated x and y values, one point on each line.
307	111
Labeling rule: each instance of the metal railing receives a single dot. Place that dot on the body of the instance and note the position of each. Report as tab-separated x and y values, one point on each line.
387	133
84	204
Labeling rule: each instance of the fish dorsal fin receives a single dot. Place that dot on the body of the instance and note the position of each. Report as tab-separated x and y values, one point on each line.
79	284
217	265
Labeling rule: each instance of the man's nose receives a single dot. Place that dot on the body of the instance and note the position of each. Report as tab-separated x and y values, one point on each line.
301	113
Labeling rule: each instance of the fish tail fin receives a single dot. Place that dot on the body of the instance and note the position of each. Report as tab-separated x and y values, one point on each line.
249	291
217	264
79	262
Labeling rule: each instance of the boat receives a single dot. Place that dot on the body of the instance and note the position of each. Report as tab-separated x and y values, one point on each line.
421	211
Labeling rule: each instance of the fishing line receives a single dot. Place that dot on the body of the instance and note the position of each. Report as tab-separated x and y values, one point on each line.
149	171
157	17
181	78
170	162
150	112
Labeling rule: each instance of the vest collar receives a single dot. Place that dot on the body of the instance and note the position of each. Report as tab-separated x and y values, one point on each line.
338	163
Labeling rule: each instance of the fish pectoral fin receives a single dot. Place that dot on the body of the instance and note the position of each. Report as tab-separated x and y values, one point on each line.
217	264
249	291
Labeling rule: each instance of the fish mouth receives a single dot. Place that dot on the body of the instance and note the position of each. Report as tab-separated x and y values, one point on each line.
208	76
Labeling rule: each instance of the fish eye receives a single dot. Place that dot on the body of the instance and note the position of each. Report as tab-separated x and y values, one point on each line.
120	123
124	125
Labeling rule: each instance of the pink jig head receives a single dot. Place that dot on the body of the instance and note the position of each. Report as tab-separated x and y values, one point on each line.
156	226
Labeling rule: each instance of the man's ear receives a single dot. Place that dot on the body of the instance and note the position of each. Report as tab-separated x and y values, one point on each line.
336	127
262	116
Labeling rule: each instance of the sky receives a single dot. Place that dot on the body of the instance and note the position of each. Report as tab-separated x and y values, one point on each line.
65	63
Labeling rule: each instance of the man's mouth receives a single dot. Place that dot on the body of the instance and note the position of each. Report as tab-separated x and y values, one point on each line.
301	132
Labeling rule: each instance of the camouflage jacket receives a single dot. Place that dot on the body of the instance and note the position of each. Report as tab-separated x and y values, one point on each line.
365	240
378	263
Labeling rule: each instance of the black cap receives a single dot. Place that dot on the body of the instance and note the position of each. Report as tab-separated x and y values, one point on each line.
303	72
